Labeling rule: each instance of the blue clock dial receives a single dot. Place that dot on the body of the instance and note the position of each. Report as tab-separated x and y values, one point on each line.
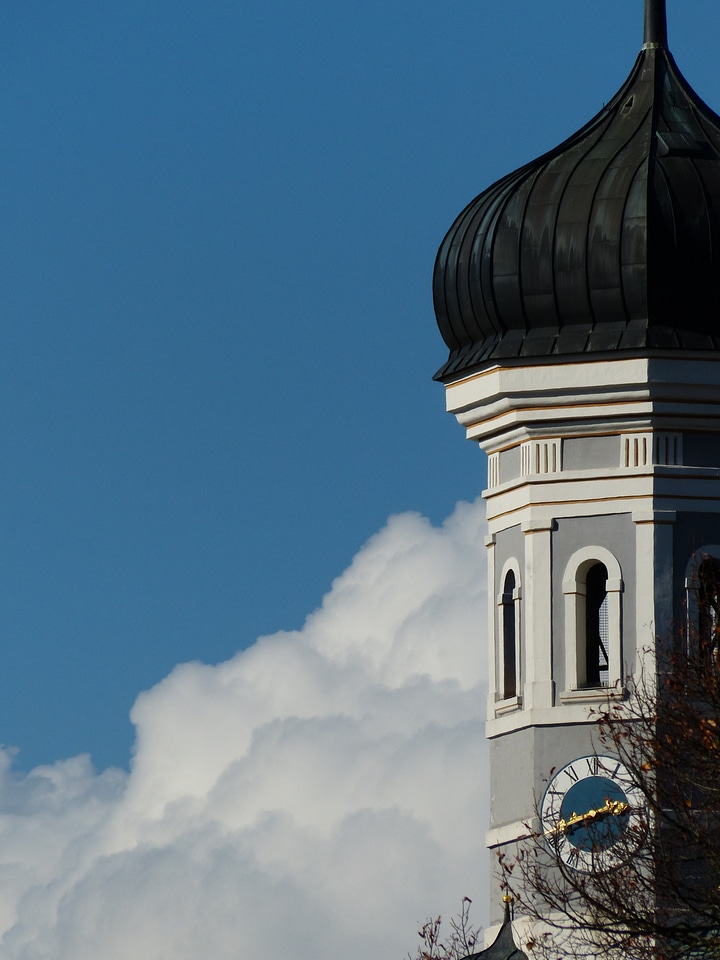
598	827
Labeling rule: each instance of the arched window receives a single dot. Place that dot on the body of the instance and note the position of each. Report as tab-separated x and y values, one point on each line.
704	605
509	638
508	660
597	634
593	622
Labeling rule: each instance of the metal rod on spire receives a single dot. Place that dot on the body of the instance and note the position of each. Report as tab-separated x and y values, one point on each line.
655	23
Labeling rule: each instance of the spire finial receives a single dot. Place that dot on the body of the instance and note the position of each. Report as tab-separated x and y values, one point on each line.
507	900
655	23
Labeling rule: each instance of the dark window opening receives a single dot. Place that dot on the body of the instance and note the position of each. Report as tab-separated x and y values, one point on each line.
597	638
709	608
509	628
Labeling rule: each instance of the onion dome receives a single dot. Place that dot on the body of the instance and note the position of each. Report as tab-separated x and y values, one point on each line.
611	241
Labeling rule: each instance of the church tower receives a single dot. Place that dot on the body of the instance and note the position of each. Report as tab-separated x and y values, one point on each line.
579	298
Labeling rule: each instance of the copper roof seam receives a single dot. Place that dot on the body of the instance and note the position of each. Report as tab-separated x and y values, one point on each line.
450	291
649	119
643	163
476	213
483	213
702	123
612	114
470	222
479	297
639	131
612	107
571	174
708	193
660	175
552	247
600	122
593	207
712	134
486	254
697	101
561	198
521	230
708	225
663	68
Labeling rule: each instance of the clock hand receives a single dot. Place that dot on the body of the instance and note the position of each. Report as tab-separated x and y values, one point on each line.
612	808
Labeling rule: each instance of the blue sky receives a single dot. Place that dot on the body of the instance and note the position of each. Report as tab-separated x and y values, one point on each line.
216	335
216	349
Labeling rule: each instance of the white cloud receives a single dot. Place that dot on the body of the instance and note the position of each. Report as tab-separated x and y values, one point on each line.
316	796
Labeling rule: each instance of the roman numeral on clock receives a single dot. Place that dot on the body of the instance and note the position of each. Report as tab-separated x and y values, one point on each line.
593	765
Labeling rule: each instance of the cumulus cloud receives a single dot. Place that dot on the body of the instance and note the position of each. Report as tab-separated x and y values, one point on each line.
315	796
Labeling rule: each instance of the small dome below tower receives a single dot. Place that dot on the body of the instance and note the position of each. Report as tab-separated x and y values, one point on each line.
609	242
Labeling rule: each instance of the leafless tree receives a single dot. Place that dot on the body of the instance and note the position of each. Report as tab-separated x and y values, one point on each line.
655	891
461	941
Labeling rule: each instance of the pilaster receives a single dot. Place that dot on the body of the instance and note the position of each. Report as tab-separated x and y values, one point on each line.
654	576
490	542
538	690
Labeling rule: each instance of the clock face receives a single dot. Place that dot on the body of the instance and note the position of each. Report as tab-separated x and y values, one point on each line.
592	813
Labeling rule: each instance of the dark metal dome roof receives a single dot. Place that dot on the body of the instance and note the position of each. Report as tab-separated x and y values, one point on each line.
611	241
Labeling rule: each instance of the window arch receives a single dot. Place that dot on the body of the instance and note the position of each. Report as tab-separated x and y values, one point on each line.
508	646
593	587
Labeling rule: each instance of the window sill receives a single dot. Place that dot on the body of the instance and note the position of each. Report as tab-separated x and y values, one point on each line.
508	706
593	694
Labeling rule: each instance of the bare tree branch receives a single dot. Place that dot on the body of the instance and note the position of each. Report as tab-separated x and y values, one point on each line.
660	899
461	941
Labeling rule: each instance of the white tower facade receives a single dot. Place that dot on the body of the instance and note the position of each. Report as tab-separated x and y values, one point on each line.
580	300
618	478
